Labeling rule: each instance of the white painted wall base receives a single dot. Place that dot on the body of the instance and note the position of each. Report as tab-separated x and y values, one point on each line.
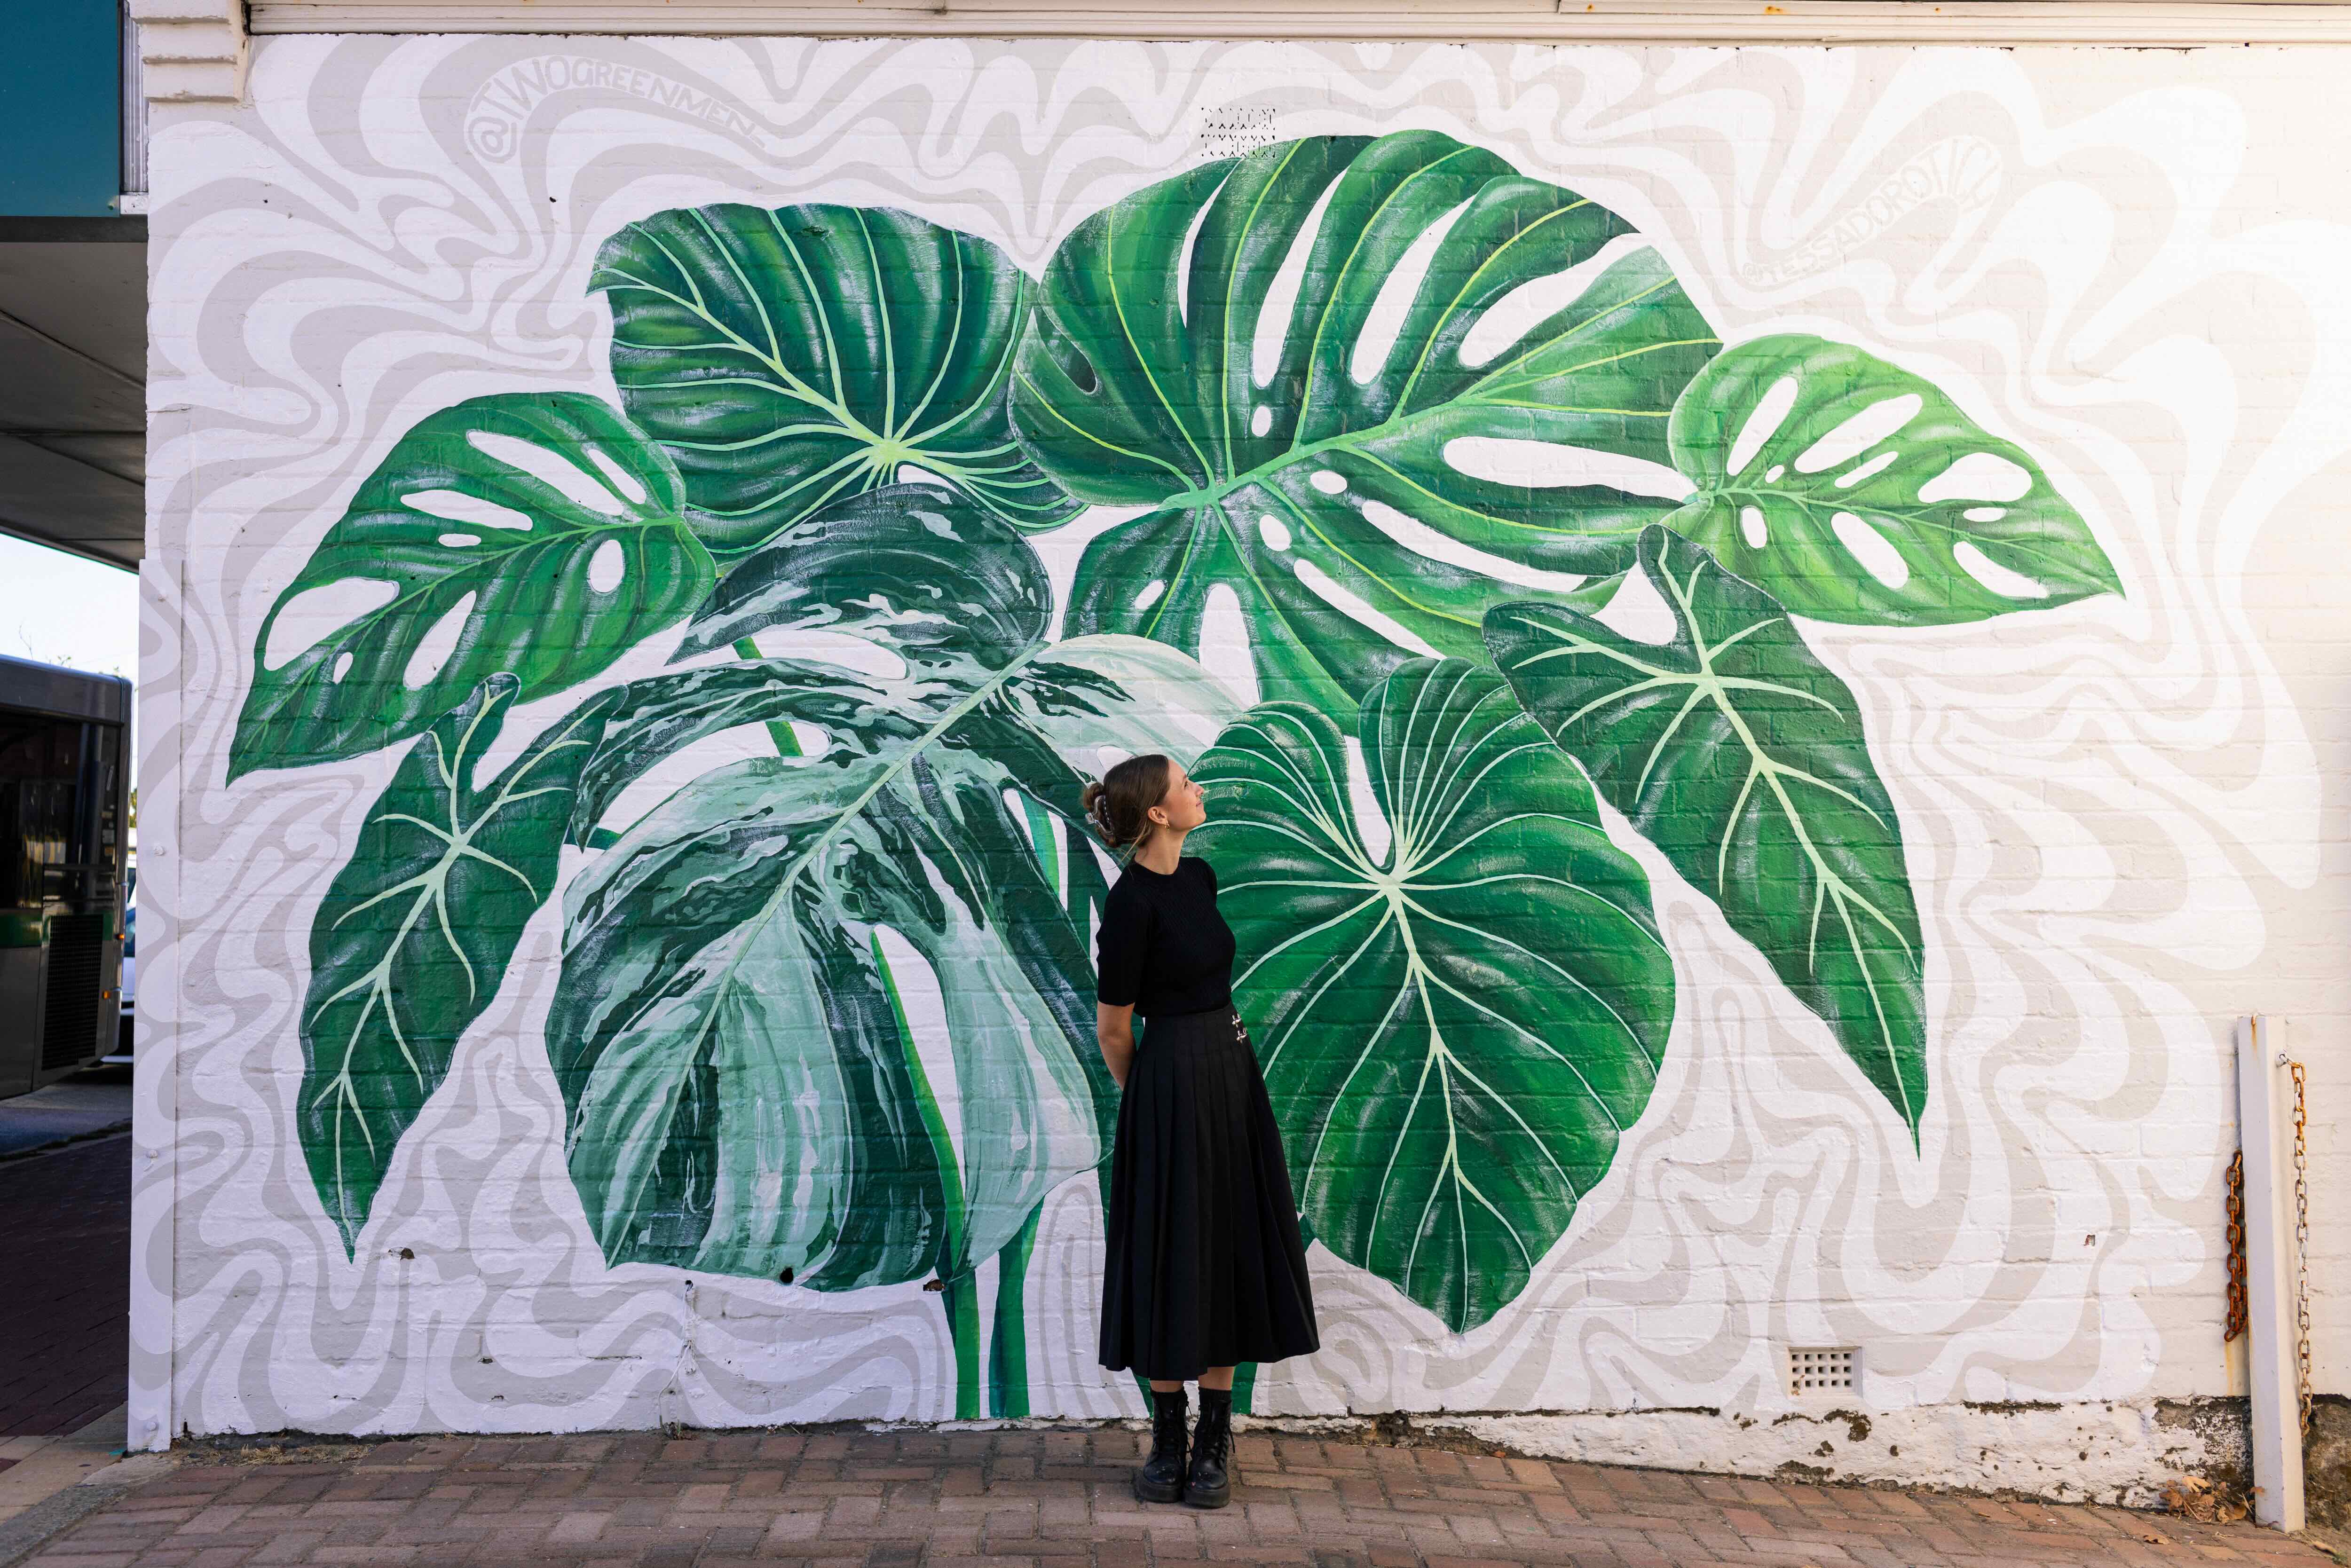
2103	1452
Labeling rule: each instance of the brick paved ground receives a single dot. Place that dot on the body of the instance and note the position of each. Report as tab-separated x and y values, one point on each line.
65	1287
894	1500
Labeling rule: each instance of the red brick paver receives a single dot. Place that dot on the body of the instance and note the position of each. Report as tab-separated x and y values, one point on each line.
855	1499
65	1287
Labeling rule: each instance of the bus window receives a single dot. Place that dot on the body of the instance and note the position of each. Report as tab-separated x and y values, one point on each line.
61	862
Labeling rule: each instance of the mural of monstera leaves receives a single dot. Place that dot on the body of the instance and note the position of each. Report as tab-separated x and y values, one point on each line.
538	535
1370	387
417	929
1850	489
1453	978
788	356
747	1094
1742	757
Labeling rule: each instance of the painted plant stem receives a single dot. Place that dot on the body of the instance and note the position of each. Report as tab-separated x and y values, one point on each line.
958	1291
959	1294
1007	1342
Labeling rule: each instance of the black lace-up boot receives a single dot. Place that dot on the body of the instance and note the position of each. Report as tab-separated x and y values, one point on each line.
1210	1484
1161	1478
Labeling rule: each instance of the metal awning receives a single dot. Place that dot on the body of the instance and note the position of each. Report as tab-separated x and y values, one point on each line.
73	395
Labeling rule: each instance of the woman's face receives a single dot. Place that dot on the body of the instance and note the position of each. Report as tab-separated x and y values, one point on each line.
1186	804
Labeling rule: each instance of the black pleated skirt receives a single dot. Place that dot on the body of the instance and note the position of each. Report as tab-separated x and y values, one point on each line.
1205	1267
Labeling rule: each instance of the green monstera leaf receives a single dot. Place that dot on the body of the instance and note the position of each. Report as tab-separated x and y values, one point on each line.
1370	387
788	356
1742	757
1852	490
890	566
958	598
1458	1024
744	1095
536	535
416	931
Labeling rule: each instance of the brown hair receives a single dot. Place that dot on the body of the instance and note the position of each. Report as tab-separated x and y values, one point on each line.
1117	804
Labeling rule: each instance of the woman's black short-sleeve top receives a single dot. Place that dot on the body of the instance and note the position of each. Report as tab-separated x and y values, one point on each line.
1163	947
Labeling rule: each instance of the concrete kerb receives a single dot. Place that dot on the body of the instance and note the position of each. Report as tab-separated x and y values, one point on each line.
64	1483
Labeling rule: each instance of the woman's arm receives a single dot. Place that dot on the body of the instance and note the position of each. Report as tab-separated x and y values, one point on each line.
1115	1027
1121	947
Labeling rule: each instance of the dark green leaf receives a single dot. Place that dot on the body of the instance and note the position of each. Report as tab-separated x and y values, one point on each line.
1852	490
788	357
724	939
743	1097
1457	1026
1468	401
536	535
1739	754
416	932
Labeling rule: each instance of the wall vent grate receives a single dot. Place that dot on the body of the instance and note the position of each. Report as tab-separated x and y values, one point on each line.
1815	1371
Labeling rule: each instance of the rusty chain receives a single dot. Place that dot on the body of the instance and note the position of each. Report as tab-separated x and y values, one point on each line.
2301	1238
2236	1213
2236	1209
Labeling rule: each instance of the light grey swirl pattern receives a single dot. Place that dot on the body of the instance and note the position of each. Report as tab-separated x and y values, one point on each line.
2111	809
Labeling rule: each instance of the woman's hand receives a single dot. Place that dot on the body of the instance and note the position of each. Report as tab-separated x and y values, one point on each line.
1114	1030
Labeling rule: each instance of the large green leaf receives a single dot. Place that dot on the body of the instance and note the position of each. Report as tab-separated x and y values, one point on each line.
743	1097
415	932
1739	754
1467	400
1852	490
910	566
789	356
1457	1026
658	716
536	535
957	595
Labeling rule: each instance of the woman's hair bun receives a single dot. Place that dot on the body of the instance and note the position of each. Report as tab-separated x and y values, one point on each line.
1096	803
1118	803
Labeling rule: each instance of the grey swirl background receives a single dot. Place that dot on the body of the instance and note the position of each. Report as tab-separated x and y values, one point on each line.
2127	261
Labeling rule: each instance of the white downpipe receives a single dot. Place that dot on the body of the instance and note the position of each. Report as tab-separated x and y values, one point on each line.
2264	1121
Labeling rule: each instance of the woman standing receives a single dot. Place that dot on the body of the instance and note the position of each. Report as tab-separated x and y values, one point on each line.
1204	1268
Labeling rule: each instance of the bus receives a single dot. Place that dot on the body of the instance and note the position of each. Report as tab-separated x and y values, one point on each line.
63	840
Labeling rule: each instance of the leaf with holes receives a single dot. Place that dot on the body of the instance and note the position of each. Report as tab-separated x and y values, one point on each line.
787	357
416	931
1850	489
955	594
536	535
1457	1025
1369	386
744	1097
1742	757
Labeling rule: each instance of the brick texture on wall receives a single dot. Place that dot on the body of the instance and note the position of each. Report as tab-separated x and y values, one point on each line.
1765	630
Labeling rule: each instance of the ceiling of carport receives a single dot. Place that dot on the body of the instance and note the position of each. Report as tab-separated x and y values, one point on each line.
73	353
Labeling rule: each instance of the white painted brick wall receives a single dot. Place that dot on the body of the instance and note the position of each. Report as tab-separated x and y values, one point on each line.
2125	816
